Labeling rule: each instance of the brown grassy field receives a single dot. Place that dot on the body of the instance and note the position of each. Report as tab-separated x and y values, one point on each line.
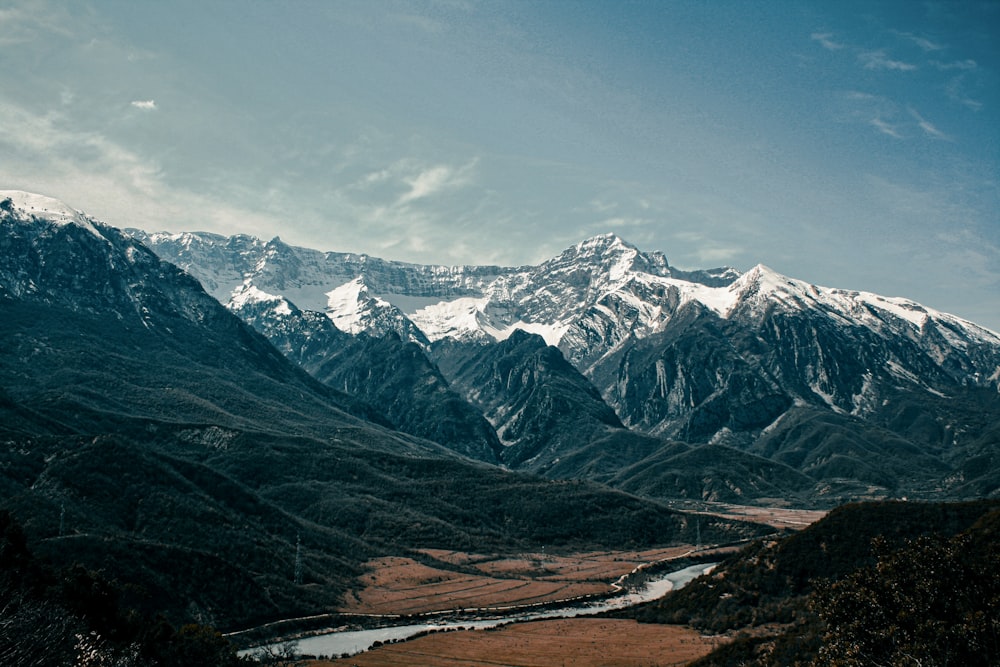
398	585
582	642
777	517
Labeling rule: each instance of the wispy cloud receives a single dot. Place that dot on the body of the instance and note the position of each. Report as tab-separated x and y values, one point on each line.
432	180
145	105
713	256
874	111
866	97
878	60
962	229
928	127
621	222
924	43
885	127
427	182
956	93
826	40
24	23
410	180
411	208
707	251
93	172
59	150
967	65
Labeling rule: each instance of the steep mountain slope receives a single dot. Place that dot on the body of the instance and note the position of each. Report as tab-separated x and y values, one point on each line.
541	407
551	420
394	376
147	431
397	377
90	315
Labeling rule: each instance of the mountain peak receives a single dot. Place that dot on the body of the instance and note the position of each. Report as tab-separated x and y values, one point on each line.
764	280
29	205
765	276
604	246
613	254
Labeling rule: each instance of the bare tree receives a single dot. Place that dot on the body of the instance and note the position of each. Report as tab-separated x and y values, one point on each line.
285	654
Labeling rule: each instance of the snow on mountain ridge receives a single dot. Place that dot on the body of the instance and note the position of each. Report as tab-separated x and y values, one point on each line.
342	305
248	294
761	285
632	291
617	261
48	208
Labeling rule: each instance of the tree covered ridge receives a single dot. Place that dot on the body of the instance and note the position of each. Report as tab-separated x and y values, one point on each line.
74	616
935	601
885	583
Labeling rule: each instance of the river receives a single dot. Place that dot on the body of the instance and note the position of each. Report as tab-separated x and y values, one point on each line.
352	642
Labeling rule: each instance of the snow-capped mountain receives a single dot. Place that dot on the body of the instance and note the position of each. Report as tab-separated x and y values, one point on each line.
758	361
47	256
605	274
588	301
860	393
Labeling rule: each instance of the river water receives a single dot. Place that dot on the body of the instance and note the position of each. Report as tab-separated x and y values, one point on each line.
351	642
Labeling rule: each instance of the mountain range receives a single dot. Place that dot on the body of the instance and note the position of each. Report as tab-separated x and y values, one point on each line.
149	433
231	427
607	363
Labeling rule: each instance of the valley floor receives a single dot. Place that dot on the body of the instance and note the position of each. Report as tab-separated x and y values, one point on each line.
776	517
583	642
439	580
449	580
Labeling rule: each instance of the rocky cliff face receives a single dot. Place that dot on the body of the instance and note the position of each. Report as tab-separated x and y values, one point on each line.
541	407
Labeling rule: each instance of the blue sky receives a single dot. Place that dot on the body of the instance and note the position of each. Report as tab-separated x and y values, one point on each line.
850	144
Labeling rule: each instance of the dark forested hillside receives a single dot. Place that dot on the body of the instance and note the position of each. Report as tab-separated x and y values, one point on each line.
392	375
75	616
924	573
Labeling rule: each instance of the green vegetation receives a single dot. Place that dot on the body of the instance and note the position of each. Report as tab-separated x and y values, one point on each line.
74	616
870	584
206	521
935	601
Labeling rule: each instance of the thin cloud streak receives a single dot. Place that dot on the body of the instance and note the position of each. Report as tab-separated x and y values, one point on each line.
885	128
924	43
967	65
429	182
94	173
928	127
825	40
878	60
955	92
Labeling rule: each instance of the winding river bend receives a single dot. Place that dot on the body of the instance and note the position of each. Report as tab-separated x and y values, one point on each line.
351	642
